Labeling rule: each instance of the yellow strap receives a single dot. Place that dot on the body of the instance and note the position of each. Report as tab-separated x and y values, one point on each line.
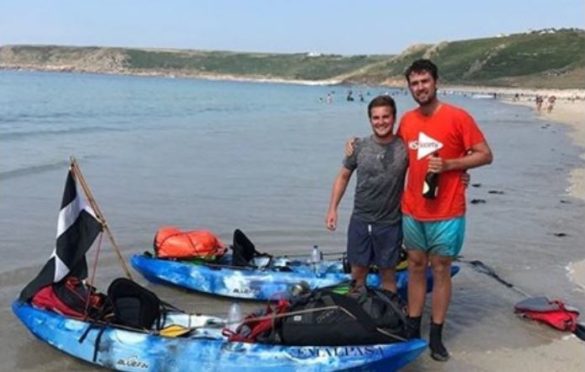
174	330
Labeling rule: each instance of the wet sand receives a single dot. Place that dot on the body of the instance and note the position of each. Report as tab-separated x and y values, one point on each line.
571	113
566	353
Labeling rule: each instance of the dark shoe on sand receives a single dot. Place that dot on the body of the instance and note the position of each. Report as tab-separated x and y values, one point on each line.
438	350
413	327
440	355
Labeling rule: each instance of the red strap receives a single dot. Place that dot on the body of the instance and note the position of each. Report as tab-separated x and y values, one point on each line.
257	327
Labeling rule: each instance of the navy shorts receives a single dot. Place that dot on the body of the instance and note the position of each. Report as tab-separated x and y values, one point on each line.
373	243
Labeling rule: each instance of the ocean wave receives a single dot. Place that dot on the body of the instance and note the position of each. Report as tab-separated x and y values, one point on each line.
56	132
27	116
33	169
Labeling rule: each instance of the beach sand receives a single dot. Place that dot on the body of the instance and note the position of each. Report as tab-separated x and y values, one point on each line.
573	114
567	353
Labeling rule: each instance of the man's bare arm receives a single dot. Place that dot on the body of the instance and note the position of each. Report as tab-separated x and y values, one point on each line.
339	186
478	155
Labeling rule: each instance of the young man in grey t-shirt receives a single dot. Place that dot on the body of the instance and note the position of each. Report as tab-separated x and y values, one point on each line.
375	230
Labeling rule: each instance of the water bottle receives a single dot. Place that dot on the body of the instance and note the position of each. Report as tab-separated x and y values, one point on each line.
300	288
316	259
431	184
234	317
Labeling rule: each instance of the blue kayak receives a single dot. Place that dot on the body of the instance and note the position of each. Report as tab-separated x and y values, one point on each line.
205	349
272	282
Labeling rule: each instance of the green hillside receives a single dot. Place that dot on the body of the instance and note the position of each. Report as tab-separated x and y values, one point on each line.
539	59
287	66
185	62
544	59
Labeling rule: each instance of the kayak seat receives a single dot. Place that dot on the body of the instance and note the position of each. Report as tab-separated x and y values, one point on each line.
134	306
244	251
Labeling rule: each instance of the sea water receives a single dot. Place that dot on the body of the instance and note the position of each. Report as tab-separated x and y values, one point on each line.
222	155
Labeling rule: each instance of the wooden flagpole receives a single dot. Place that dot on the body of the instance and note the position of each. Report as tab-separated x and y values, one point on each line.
79	176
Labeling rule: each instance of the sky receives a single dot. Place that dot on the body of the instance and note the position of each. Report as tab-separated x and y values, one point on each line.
279	26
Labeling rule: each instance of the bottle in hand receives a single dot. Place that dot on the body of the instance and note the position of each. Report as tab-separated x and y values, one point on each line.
431	184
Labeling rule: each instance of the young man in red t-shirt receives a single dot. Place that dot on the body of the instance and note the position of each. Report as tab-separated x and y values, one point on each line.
444	140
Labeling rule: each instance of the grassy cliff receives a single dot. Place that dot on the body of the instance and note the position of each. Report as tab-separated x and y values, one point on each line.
183	62
539	59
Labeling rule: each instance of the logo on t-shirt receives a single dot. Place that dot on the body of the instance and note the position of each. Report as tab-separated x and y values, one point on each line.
425	145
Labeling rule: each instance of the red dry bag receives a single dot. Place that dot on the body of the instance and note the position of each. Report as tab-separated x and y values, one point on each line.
170	242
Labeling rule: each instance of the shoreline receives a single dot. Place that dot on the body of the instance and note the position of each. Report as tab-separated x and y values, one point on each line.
174	74
497	92
507	94
571	114
562	353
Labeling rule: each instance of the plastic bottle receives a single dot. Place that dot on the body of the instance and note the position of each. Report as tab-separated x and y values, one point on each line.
316	259
234	316
300	288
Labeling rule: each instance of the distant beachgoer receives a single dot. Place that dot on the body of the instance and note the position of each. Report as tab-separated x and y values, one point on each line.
350	96
329	98
551	104
361	97
539	100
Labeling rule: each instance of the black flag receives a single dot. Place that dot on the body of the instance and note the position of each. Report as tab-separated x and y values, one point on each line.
77	228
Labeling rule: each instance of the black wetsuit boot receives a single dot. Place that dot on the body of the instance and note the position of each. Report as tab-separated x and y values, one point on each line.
413	327
438	350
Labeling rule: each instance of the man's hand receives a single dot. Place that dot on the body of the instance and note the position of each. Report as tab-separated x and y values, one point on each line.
331	220
437	164
466	179
349	147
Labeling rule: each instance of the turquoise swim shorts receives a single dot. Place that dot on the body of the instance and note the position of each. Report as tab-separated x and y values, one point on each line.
441	238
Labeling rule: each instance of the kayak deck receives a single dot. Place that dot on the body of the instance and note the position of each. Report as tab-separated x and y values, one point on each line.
271	283
205	349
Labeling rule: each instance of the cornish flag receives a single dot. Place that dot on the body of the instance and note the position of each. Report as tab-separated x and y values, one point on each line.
77	228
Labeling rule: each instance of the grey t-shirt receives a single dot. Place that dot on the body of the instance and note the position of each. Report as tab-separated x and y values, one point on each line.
381	169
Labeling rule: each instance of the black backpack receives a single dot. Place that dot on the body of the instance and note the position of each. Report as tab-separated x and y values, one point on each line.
371	317
135	306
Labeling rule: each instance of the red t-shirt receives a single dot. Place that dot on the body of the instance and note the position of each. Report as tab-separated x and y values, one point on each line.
450	132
